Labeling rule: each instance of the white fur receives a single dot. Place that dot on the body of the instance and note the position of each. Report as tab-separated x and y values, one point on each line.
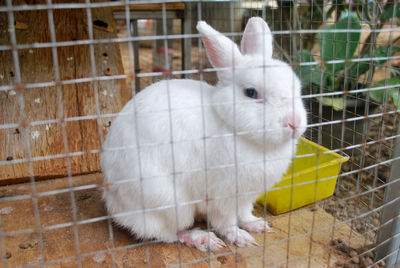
201	120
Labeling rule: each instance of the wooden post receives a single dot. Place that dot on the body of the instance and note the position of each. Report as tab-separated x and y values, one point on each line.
388	241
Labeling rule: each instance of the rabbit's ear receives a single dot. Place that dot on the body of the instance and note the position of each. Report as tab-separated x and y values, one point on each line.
257	38
221	51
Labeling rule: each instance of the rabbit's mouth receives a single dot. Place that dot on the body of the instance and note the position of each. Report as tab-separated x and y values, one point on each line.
292	126
292	132
297	132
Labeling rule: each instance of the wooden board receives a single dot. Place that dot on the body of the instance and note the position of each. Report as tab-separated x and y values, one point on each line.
308	232
152	7
78	99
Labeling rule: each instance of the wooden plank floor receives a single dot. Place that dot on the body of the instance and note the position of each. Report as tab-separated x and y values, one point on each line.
59	248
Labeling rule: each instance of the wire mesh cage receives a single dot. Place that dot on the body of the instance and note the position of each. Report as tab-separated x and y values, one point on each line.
129	136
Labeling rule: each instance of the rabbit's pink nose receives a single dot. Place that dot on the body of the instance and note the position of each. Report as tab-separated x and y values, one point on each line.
291	120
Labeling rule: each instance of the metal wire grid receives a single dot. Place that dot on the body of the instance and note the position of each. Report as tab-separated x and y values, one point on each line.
320	128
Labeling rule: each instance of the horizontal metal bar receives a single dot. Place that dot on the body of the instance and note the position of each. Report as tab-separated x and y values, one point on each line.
149	15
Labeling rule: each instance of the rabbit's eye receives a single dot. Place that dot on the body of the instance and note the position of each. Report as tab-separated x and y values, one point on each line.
251	92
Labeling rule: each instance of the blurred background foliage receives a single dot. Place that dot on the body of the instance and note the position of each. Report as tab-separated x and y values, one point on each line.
336	59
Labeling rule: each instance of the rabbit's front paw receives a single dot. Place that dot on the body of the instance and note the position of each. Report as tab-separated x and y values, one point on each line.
257	226
238	237
201	240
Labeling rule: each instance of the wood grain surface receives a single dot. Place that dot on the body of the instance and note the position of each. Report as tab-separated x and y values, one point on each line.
152	7
78	99
298	239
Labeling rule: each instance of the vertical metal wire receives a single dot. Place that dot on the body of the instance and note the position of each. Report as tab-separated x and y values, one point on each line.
337	187
135	33
97	109
132	71
297	25
264	128
310	86
167	67
18	78
186	28
134	90
346	76
366	110
291	50
357	104
385	107
138	142
293	44
203	122
63	129
133	80
234	131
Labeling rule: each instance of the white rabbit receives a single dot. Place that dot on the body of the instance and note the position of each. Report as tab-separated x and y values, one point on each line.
183	148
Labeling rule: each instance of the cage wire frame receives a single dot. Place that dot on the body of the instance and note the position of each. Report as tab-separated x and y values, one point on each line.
388	240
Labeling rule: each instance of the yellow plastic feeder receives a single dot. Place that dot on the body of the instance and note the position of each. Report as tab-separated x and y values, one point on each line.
313	178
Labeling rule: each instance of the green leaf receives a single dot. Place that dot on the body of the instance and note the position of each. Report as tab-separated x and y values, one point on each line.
304	56
310	74
336	103
388	11
383	51
363	67
333	45
393	93
360	68
394	71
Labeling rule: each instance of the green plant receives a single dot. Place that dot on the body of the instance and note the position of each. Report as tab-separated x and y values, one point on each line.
393	93
341	45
